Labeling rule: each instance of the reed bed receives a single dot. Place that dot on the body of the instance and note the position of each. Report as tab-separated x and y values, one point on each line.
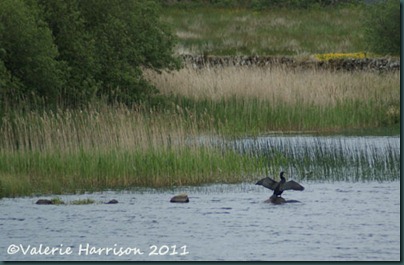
279	85
254	100
181	142
336	158
109	148
92	129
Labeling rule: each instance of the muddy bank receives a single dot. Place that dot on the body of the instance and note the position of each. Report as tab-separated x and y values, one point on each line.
365	64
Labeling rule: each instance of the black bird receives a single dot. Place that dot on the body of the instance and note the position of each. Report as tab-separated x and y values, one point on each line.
279	187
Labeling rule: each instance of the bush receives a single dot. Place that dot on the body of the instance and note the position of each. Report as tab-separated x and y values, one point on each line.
72	52
382	27
127	36
76	48
28	64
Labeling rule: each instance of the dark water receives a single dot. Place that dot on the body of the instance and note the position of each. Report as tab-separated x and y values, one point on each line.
334	221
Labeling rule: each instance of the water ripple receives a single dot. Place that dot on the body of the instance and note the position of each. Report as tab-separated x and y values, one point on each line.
334	221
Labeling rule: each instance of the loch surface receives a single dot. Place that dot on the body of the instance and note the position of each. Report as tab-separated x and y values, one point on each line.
334	221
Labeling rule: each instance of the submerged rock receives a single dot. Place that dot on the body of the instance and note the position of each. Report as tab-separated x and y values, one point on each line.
181	198
113	201
44	201
279	200
292	201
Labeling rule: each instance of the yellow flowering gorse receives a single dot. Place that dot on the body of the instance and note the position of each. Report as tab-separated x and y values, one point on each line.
329	56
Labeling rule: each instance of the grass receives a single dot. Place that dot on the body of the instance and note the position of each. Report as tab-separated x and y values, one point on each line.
278	84
252	101
219	31
82	201
110	148
177	142
57	201
30	173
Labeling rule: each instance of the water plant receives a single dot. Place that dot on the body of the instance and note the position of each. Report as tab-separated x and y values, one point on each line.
57	201
82	201
327	158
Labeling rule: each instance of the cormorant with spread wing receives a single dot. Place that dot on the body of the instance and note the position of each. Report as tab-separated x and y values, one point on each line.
279	187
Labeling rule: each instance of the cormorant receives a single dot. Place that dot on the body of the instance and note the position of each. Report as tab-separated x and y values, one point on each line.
279	187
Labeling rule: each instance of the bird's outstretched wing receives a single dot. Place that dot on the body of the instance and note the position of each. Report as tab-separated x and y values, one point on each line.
267	183
292	185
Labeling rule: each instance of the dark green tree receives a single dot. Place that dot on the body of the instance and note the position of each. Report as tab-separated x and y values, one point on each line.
71	52
76	49
382	27
28	69
128	36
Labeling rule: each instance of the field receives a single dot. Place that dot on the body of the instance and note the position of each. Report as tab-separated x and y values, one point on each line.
269	32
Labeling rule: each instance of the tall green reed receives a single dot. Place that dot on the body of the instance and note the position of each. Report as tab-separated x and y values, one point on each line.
321	158
103	147
95	149
254	100
252	116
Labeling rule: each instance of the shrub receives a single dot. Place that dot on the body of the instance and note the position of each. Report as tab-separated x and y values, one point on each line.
127	36
28	56
72	52
382	27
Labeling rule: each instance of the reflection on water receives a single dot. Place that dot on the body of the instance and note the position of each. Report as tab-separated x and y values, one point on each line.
334	221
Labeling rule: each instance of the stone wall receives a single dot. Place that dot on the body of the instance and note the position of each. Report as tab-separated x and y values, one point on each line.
366	64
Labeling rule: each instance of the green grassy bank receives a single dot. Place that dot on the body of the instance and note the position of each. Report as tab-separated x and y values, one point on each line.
220	31
57	173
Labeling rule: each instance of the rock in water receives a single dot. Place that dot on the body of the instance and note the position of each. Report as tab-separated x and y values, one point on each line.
44	201
279	200
182	198
275	200
113	201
